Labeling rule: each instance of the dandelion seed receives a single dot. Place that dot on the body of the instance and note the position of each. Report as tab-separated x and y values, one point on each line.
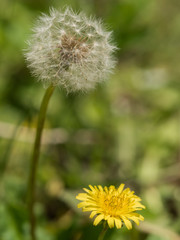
70	50
112	205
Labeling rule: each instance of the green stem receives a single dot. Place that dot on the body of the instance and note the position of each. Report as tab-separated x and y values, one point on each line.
35	158
103	232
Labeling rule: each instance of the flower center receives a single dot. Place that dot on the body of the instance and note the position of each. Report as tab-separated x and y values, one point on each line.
72	49
113	204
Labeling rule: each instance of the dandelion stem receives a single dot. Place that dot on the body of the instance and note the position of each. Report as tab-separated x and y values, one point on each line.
103	232
34	160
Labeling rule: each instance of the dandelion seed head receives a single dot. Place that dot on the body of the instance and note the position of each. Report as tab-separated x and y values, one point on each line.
116	206
70	50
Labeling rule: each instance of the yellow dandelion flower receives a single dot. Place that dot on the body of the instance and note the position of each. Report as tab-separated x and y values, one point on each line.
112	205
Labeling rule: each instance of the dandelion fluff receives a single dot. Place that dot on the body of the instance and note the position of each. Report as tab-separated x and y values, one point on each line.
70	50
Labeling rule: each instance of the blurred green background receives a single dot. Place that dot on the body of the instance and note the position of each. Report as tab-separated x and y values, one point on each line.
125	131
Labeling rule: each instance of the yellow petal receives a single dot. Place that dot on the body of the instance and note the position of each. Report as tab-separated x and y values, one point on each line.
141	217
134	219
86	190
93	214
118	223
106	189
98	219
111	188
139	205
120	188
89	209
95	187
100	188
82	204
127	222
127	190
137	215
92	188
110	221
82	196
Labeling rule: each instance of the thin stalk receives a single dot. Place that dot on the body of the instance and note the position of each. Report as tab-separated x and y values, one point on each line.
103	232
34	160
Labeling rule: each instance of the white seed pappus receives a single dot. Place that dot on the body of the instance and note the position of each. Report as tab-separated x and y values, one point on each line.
70	50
